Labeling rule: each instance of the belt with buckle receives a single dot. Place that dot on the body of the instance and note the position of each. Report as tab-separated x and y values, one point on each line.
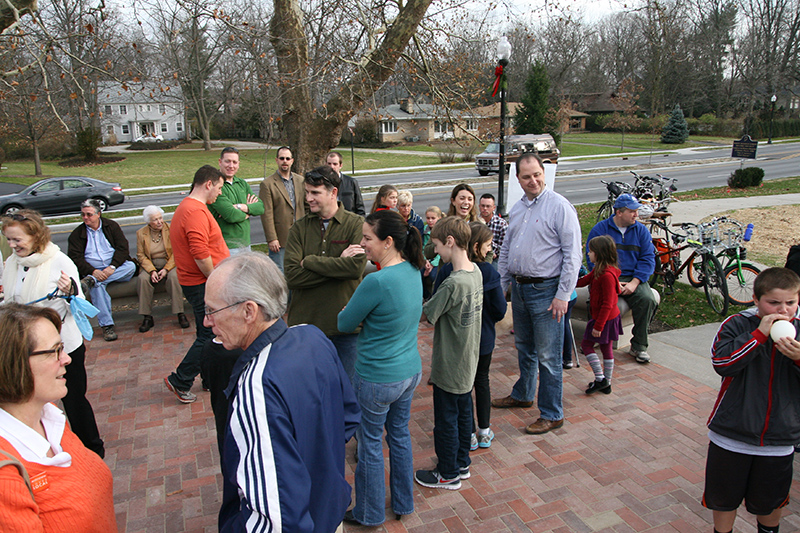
526	280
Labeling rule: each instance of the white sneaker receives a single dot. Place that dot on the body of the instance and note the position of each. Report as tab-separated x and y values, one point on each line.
640	356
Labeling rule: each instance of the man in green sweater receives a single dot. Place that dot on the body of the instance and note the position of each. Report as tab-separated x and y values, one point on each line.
237	203
324	262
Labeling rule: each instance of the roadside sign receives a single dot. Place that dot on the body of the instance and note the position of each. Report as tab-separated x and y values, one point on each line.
745	148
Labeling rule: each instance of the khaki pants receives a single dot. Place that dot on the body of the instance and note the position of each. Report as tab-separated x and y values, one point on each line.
146	289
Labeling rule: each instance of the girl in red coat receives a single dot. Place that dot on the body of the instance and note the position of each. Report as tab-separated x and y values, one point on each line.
605	327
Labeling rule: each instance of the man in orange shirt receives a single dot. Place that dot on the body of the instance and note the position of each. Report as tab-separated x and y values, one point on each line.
198	246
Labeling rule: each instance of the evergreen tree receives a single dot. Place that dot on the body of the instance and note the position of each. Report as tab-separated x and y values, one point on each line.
675	131
531	116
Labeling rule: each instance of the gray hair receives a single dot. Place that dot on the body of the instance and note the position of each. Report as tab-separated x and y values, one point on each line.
405	197
150	211
94	204
255	277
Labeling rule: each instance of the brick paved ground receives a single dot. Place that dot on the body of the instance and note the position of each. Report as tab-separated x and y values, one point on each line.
629	461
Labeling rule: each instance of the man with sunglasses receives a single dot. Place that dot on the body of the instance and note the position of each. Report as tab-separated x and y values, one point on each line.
235	205
198	247
99	249
282	195
324	262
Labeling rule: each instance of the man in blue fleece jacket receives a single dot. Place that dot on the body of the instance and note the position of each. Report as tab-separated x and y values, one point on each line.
637	261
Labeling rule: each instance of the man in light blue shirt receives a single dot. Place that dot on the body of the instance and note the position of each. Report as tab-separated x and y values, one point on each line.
99	249
539	260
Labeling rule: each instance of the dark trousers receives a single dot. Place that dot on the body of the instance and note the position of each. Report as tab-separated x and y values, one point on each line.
183	377
77	407
216	368
483	394
452	430
569	337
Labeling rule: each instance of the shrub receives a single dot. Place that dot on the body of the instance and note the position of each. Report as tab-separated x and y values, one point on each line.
469	149
746	177
88	140
366	130
160	145
447	153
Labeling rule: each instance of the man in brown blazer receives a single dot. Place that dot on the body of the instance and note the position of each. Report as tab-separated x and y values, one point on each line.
284	204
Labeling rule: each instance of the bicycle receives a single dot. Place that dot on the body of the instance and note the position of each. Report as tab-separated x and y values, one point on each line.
740	274
615	189
668	252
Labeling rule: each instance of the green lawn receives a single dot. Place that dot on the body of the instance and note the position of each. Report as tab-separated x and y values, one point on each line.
767	188
169	167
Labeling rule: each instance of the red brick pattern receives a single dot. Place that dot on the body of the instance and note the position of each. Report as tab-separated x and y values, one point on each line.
629	461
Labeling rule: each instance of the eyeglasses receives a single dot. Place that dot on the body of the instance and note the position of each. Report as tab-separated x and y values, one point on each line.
15	216
284	158
55	351
209	311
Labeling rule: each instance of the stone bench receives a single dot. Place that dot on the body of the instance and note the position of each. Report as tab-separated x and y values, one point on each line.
580	312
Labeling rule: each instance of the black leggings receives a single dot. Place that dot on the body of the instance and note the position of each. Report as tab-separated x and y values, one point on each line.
483	396
77	407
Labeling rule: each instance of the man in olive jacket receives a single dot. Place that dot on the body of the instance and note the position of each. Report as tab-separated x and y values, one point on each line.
324	262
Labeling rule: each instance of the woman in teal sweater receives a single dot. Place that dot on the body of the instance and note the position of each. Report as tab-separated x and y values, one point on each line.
388	304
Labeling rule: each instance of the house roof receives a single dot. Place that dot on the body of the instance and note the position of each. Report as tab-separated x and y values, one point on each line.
138	93
422	111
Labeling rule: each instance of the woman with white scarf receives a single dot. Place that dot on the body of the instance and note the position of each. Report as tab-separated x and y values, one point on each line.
35	269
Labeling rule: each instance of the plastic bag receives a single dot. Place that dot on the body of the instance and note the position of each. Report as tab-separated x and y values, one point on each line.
82	311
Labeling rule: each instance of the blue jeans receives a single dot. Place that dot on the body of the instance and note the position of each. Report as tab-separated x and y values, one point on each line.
539	339
183	377
100	298
389	405
277	258
452	431
346	348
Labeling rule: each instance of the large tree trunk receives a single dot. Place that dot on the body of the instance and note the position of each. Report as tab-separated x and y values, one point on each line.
23	7
37	162
312	134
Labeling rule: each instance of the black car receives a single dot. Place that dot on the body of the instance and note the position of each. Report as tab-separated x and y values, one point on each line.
62	195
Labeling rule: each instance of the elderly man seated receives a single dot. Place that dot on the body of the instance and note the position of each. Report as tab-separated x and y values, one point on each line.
100	251
154	252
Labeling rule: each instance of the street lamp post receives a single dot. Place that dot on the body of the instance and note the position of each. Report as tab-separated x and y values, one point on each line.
771	116
503	54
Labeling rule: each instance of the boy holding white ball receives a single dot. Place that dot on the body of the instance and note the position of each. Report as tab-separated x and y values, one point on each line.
755	422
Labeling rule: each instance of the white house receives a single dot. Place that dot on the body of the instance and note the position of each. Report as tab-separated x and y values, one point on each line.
147	109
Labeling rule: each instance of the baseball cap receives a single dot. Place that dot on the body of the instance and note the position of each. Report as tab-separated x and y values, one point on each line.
627	201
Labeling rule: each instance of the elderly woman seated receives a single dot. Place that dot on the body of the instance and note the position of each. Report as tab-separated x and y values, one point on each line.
154	252
49	480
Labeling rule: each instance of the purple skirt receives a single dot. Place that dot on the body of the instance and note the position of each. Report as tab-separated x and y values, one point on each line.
611	331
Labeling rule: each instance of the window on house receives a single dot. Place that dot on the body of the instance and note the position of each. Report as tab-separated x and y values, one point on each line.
107	110
389	127
141	108
125	129
163	127
110	130
443	127
162	109
179	126
123	110
472	124
148	107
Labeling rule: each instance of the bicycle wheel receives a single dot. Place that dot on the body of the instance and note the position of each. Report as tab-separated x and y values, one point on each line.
715	287
604	212
694	271
740	291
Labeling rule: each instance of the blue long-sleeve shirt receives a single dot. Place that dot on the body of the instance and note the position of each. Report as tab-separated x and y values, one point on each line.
292	409
389	304
543	240
635	252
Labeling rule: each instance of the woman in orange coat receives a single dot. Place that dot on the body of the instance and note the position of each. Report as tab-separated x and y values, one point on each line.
49	481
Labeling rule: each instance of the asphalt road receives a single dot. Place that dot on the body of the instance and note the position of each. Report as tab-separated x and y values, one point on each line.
777	160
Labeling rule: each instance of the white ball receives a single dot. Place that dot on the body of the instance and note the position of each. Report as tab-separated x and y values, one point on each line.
781	329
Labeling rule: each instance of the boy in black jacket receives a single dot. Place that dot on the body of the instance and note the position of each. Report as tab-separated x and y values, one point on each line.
755	422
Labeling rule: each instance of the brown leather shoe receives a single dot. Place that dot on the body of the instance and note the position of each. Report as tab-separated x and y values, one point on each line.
543	426
508	401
